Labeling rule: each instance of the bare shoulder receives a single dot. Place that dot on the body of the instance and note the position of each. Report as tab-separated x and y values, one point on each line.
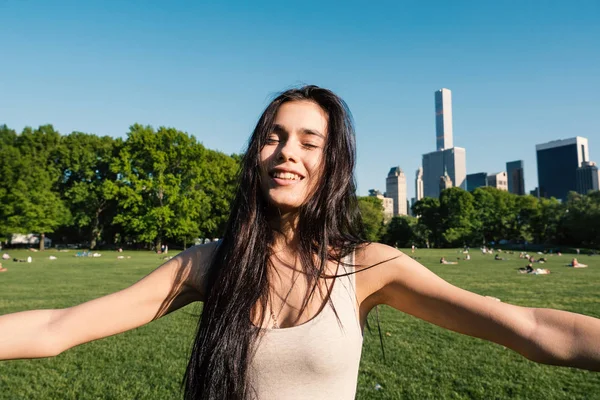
191	266
376	265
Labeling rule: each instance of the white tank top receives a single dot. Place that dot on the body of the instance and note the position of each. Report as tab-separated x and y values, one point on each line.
316	360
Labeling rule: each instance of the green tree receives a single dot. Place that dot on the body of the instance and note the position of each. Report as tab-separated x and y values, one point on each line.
171	187
546	223
581	221
399	231
371	210
30	201
457	212
429	223
87	182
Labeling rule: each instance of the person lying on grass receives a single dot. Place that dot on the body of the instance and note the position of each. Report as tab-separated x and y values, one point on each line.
576	264
288	289
444	261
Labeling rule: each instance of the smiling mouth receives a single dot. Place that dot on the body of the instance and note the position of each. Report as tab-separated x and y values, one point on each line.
288	176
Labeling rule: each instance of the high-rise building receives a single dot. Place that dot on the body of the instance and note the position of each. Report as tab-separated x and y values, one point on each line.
447	158
419	184
587	177
476	180
443	119
453	161
445	182
498	181
395	187
516	177
557	164
388	204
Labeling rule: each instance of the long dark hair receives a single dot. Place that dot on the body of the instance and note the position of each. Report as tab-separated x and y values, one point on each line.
329	227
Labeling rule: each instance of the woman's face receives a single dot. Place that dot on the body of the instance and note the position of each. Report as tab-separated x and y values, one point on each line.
292	157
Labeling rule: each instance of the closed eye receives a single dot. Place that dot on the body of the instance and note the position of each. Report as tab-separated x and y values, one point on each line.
272	139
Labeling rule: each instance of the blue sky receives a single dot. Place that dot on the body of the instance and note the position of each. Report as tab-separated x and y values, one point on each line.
521	72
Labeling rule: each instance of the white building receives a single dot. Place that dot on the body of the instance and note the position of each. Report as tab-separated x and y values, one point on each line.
499	180
419	184
395	187
388	204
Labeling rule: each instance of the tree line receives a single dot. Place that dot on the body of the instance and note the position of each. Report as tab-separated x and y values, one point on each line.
155	186
162	186
488	215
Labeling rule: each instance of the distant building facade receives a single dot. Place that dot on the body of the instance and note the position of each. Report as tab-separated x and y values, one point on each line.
388	204
476	180
435	164
498	181
587	177
557	164
395	187
516	177
445	182
447	159
443	119
419	184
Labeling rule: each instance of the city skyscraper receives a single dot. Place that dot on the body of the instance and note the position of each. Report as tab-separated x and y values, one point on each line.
446	158
498	181
516	177
435	164
557	164
587	177
419	184
395	187
443	119
476	180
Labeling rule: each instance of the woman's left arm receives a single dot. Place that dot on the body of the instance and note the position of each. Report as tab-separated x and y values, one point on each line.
542	335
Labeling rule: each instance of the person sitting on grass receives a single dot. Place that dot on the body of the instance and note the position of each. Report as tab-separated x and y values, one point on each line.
287	290
576	264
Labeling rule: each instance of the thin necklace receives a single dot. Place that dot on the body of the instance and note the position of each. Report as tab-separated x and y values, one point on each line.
273	316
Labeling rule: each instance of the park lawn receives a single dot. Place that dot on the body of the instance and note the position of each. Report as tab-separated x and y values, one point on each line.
423	361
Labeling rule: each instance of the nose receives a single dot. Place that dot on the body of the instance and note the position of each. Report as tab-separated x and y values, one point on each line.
287	151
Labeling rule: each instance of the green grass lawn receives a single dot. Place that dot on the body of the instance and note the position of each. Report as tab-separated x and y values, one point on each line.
423	361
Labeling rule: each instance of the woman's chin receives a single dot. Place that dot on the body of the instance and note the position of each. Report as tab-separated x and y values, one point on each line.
285	205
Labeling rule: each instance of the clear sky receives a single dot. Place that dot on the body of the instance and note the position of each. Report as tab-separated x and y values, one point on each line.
521	72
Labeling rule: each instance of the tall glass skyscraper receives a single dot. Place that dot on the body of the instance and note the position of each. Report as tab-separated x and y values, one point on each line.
516	177
447	158
587	177
443	119
557	164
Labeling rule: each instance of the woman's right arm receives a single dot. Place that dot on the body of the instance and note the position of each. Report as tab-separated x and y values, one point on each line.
46	333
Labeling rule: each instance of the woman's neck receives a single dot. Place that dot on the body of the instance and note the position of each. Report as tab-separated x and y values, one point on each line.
286	232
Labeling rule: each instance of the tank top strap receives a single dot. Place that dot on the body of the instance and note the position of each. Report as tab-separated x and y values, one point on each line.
344	289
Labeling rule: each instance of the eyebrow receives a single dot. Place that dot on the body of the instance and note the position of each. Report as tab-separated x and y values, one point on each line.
305	131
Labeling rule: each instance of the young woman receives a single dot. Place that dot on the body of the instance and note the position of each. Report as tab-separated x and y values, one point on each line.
287	291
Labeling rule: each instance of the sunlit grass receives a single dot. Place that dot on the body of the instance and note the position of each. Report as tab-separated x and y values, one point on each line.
423	361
